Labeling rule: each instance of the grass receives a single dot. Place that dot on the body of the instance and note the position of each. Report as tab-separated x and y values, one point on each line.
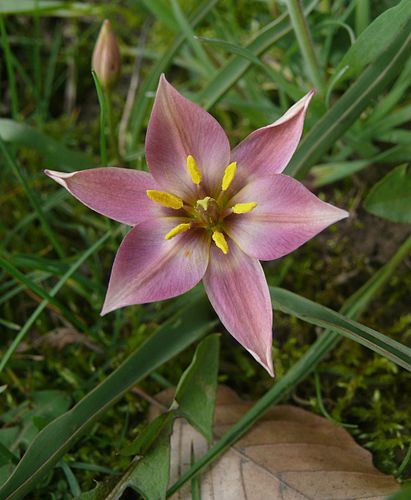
246	67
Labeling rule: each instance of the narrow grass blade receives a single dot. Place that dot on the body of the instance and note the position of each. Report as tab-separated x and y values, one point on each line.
10	70
186	29
162	10
316	314
32	198
305	42
292	90
187	326
306	364
48	7
19	337
350	106
232	71
23	278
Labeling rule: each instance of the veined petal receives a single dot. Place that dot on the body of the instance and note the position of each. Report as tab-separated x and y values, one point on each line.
148	267
238	291
177	129
269	149
286	216
118	193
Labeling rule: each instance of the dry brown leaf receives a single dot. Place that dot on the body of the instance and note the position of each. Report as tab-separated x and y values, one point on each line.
290	454
59	338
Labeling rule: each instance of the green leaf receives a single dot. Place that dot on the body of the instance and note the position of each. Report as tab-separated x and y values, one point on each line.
148	435
390	198
150	475
194	400
187	326
327	173
319	315
349	107
375	39
54	152
196	390
163	12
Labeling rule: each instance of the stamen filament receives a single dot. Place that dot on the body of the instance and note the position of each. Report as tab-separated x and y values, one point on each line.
243	208
228	176
166	199
181	228
193	170
220	241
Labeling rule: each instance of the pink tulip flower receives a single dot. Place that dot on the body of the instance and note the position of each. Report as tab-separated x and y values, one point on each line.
206	213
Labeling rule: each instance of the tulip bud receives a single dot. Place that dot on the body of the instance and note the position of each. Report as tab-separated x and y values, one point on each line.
106	56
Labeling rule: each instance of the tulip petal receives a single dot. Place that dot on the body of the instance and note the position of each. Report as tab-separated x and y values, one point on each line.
148	268
179	128
269	149
238	291
118	193
286	216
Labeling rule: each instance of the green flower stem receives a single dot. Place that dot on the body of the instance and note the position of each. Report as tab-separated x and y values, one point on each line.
306	364
103	114
305	43
111	126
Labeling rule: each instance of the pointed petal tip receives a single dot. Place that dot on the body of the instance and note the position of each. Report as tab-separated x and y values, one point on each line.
337	214
59	177
105	310
266	362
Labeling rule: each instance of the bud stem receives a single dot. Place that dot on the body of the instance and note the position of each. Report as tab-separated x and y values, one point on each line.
102	104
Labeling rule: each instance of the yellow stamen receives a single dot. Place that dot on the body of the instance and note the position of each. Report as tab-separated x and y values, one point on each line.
166	199
228	177
181	228
243	208
220	241
193	170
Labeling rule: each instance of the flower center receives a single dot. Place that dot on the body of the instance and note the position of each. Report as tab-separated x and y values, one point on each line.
206	213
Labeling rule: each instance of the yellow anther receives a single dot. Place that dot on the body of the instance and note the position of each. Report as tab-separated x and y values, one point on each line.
181	228
166	199
193	170
220	241
228	176
243	208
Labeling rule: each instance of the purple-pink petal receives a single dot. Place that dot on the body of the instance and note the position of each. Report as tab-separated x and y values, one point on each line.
179	128
148	268
269	149
238	291
118	193
286	216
